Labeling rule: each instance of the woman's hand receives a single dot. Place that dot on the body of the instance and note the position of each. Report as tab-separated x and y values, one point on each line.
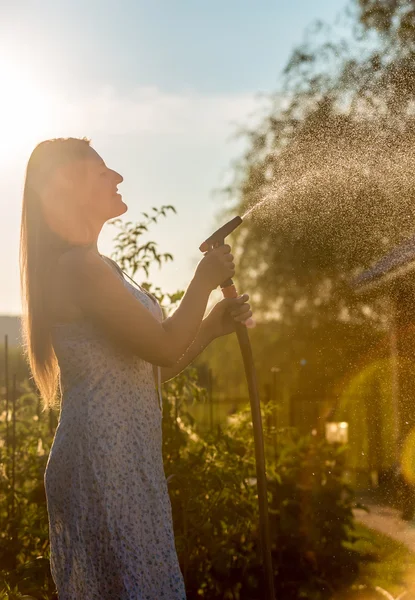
215	267
225	314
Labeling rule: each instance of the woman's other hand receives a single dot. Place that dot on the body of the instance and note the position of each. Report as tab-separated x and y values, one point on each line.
226	313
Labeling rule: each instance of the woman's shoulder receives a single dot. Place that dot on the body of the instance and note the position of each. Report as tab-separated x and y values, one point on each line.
64	278
80	274
86	264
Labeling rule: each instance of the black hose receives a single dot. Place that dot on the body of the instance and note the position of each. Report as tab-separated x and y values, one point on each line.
246	351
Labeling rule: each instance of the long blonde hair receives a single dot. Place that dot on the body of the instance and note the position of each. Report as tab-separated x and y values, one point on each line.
39	248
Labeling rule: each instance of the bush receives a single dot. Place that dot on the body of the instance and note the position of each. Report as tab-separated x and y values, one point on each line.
213	495
26	436
215	509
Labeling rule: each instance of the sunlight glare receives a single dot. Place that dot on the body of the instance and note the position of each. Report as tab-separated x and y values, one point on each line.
26	112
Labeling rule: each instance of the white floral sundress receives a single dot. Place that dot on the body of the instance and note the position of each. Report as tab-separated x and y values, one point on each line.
110	519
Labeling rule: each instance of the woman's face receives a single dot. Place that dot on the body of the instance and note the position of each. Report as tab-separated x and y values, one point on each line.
98	193
80	197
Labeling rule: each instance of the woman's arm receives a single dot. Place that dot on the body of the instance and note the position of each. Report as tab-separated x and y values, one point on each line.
220	321
93	285
202	339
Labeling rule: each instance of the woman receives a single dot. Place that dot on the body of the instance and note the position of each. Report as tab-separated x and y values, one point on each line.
104	342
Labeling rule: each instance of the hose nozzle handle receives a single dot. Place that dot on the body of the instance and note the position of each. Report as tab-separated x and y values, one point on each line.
218	239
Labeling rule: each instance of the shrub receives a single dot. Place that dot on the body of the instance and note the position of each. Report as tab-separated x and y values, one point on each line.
213	494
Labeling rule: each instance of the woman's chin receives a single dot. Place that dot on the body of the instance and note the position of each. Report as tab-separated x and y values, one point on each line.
121	209
124	207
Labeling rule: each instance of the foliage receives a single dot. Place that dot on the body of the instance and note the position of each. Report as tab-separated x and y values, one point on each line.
335	161
213	493
394	19
314	520
133	255
211	484
25	442
318	371
332	163
15	363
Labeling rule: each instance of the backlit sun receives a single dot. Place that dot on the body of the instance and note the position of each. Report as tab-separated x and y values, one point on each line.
26	112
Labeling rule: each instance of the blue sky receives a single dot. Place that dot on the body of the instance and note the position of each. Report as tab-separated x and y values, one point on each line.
159	86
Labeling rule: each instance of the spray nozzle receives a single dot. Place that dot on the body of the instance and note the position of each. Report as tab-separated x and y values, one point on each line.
218	238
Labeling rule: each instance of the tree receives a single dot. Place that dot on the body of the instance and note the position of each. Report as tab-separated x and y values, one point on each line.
334	166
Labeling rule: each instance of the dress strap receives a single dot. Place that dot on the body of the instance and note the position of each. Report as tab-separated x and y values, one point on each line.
123	273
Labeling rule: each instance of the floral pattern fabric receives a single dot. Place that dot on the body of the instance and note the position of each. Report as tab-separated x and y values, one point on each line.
110	520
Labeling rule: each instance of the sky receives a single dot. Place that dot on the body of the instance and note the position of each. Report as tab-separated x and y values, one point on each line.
161	87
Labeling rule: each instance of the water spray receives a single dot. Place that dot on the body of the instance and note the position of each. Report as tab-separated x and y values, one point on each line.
229	291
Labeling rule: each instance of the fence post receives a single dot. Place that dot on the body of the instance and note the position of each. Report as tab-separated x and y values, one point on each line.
13	476
6	387
210	397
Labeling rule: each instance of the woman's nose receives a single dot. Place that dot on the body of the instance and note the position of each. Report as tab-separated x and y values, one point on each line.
118	177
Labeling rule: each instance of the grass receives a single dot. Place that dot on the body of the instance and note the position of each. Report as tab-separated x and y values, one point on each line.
386	563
